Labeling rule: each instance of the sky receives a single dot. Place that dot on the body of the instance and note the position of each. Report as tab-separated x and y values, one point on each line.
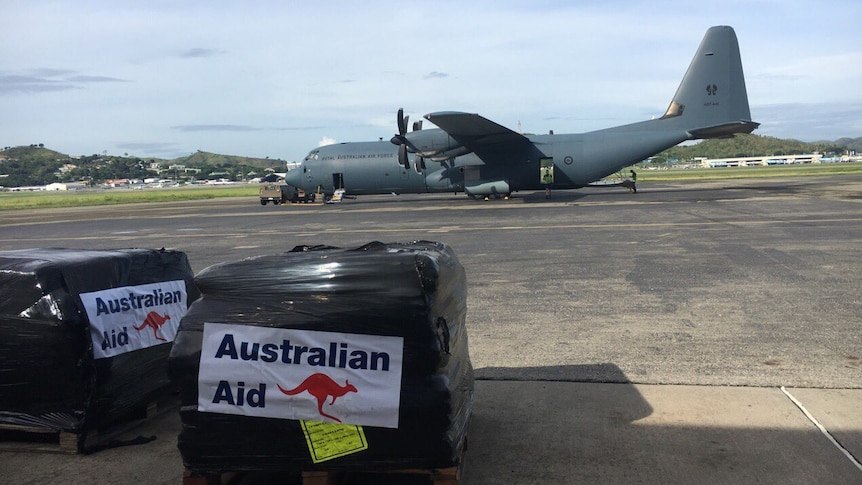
279	78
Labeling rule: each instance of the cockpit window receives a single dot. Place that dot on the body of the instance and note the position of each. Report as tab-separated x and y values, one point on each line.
312	155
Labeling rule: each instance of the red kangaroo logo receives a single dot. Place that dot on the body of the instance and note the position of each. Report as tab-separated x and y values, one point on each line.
154	321
321	386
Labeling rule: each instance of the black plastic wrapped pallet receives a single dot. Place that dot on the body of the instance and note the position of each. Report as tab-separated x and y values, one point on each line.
431	434
48	374
416	291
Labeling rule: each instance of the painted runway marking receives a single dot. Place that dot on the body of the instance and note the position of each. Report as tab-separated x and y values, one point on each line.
822	429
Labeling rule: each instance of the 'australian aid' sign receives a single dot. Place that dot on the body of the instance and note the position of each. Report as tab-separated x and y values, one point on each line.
300	374
134	317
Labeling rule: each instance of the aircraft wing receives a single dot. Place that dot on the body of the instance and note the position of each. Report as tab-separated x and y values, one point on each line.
480	135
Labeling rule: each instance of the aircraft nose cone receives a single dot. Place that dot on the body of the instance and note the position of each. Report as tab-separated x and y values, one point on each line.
293	177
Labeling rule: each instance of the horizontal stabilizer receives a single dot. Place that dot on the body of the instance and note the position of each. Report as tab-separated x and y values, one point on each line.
726	130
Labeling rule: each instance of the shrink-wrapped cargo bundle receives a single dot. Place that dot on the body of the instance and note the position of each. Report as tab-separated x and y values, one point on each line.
280	350
85	334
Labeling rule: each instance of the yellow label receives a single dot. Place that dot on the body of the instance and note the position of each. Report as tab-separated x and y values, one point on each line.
327	441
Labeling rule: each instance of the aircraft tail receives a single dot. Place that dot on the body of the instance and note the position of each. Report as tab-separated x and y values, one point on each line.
711	101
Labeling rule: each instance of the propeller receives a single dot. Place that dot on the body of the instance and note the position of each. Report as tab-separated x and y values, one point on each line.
418	160
402	122
401	140
419	164
402	156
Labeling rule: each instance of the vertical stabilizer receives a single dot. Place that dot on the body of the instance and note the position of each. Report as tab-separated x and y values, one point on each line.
711	101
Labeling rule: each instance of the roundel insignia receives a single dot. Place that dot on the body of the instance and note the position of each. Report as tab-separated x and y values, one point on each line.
568	160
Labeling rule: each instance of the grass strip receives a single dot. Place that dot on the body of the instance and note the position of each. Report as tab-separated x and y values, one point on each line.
47	200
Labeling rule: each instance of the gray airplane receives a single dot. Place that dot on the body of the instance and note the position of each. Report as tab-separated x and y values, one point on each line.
471	154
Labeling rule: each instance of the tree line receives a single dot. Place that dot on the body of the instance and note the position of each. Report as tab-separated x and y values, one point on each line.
35	165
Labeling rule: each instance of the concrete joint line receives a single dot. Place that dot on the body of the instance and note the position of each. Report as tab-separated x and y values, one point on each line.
822	429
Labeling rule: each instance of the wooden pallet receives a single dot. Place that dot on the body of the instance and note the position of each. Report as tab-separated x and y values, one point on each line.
437	476
25	438
15	437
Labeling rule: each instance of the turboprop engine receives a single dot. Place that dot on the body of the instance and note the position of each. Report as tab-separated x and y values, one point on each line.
434	145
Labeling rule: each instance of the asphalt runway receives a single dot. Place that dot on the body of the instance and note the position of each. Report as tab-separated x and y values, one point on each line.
724	314
749	283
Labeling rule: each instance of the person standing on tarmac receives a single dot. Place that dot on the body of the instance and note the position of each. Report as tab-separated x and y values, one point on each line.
634	175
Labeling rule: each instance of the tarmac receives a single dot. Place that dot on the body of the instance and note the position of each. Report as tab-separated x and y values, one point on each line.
691	333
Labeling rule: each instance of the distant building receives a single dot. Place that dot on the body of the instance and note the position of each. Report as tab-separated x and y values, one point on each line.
61	187
760	161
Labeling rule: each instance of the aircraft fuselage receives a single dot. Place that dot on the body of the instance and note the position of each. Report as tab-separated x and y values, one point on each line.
576	159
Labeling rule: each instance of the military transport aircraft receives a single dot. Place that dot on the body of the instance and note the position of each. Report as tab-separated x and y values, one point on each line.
471	154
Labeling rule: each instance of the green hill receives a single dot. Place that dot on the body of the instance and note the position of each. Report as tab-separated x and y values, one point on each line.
32	152
36	165
854	144
216	160
746	146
